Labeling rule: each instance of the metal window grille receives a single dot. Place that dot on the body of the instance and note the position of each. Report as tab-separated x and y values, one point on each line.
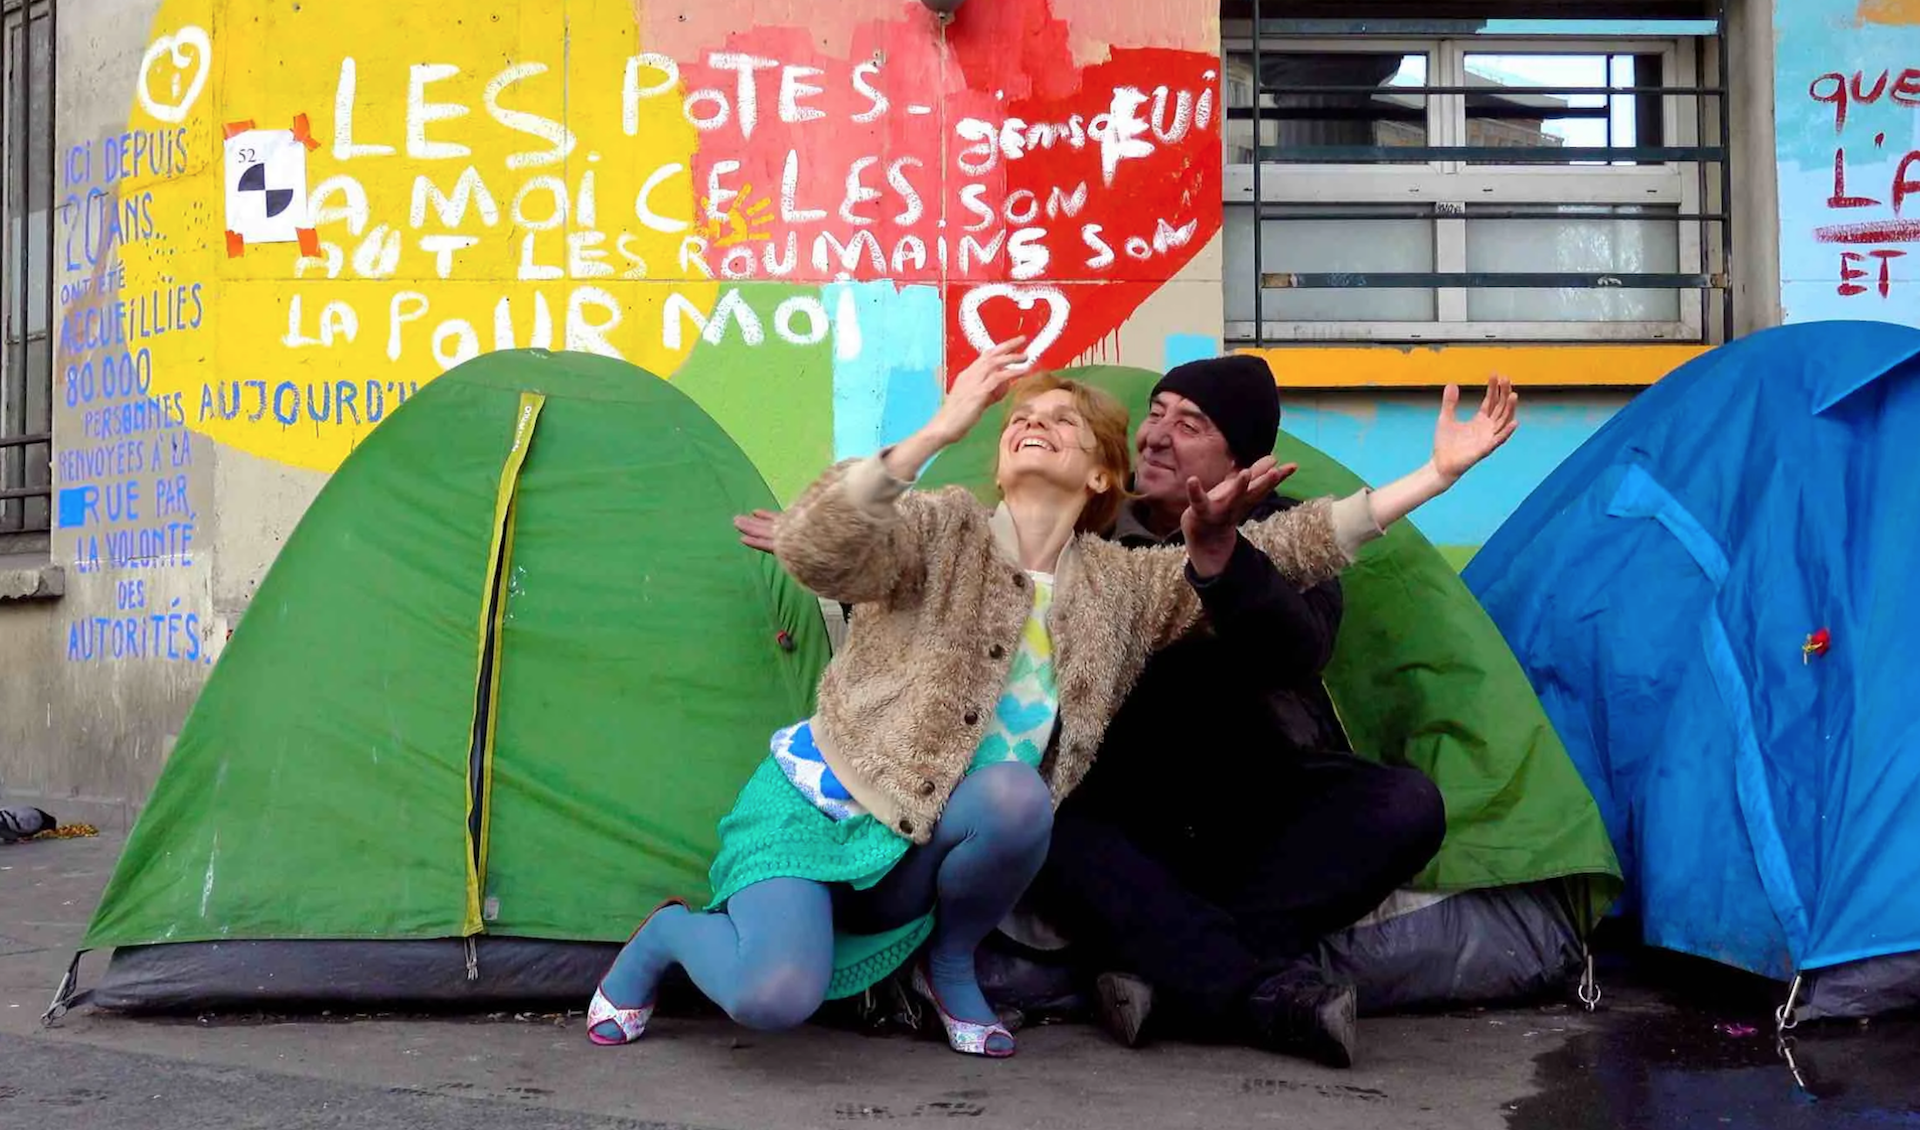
1386	181
26	265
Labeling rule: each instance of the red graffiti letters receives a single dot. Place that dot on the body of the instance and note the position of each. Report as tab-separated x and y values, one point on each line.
1838	91
1882	178
1849	273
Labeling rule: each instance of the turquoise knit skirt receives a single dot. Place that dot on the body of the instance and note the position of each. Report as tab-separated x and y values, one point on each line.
775	832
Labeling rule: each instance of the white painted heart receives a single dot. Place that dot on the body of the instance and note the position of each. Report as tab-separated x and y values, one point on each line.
1025	297
177	110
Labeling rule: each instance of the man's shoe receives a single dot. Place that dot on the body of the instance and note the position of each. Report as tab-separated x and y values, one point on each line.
1301	1012
1123	1004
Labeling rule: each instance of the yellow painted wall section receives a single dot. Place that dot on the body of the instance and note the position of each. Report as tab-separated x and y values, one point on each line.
1429	366
446	224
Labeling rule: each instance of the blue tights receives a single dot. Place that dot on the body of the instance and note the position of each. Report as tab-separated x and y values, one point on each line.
767	959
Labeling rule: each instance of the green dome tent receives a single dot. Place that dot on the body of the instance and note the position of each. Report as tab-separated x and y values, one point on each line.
1421	676
484	712
498	688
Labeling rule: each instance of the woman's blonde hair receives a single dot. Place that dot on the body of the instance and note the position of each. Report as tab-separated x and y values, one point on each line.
1112	450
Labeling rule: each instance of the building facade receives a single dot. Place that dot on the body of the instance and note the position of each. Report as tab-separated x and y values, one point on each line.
239	233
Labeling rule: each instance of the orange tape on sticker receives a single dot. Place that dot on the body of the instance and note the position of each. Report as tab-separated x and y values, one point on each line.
235	129
303	132
309	242
235	245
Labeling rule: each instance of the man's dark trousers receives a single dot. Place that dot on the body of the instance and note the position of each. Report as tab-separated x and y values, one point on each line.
1204	912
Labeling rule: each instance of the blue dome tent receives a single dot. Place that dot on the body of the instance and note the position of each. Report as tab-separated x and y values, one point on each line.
1717	599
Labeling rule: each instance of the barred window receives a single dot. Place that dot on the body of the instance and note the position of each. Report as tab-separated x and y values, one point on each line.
1470	186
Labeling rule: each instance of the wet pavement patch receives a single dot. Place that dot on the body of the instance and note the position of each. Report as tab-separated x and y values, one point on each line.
1663	1058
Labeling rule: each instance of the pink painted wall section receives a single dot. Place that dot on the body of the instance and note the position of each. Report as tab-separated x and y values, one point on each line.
1044	180
1092	29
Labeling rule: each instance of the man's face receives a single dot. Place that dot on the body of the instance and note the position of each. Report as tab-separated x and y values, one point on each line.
1177	442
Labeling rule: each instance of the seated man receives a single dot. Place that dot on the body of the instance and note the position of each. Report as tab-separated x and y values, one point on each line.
1203	893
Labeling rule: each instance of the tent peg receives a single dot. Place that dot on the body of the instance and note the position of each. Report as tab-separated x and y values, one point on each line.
1589	984
63	997
1784	1020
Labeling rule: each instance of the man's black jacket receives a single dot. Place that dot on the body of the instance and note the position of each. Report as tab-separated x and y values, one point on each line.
1209	726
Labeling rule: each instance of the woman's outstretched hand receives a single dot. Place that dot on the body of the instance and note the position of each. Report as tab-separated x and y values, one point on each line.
756	529
1459	444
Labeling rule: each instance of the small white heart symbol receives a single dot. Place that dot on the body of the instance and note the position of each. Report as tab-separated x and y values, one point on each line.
1024	297
172	46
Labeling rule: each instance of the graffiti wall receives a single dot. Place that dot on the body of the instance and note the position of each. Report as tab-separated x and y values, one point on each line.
1847	94
803	216
277	222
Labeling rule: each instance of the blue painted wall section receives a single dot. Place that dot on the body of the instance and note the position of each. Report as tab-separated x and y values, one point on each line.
1182	348
891	386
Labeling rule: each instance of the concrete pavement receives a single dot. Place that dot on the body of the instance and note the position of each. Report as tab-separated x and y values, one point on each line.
1474	1070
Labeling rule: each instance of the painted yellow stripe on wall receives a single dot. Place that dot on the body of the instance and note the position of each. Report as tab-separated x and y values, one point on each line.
1431	366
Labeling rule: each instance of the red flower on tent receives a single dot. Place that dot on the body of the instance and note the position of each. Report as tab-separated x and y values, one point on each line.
1817	643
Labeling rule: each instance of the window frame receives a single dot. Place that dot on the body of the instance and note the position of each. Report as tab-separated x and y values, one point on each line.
29	156
1456	184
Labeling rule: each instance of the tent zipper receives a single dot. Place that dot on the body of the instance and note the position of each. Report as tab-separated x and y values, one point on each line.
1345	735
487	675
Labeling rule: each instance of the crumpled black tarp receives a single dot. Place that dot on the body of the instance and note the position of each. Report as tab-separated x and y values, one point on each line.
1419	952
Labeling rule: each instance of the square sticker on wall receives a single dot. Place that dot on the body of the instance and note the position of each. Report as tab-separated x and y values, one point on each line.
266	179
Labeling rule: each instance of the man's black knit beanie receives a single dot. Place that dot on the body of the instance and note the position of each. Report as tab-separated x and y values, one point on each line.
1238	394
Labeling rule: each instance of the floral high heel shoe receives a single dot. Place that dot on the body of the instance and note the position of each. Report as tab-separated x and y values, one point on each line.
963	1036
632	1022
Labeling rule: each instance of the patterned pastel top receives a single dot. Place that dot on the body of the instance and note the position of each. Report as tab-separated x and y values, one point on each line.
1021	726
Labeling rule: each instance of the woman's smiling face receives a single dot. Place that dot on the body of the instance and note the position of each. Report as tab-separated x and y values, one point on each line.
1046	436
1065	437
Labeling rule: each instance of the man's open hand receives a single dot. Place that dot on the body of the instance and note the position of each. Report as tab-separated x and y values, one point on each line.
1459	444
1212	519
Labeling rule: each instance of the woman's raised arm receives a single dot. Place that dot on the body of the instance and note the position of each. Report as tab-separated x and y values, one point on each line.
848	537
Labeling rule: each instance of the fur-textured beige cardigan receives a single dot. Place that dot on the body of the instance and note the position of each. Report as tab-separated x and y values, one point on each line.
940	599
